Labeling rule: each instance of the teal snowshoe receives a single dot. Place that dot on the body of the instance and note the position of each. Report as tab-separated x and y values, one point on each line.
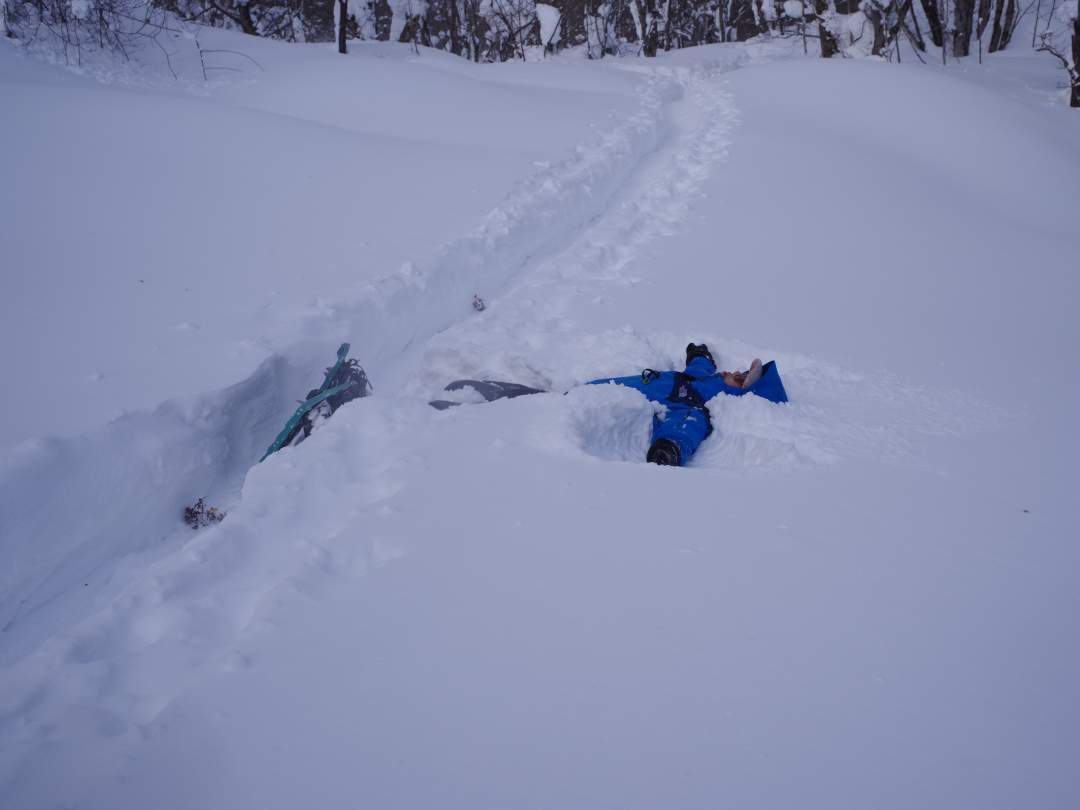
345	381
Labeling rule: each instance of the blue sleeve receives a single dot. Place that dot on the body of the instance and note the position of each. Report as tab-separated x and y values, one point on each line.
769	387
711	386
629	382
657	389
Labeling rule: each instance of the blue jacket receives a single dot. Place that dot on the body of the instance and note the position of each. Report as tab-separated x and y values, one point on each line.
698	384
687	422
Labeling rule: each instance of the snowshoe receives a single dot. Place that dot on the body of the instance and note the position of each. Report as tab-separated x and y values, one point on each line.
345	381
482	390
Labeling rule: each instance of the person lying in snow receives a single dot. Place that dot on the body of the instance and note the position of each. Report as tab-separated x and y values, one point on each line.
677	436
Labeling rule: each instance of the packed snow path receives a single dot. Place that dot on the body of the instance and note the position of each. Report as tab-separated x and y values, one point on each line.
855	600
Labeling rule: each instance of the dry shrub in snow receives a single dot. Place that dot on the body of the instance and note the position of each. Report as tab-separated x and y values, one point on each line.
199	514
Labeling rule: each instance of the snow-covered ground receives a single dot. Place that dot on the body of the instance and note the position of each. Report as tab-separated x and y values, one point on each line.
864	598
198	229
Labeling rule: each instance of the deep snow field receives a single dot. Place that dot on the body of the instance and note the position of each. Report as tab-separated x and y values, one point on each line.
866	597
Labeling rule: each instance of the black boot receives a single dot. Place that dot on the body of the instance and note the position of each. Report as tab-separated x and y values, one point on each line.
698	350
664	451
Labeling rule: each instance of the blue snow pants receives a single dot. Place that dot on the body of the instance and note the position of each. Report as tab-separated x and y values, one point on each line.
684	393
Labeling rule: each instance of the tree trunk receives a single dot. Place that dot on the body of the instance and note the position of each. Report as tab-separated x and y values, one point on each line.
965	16
343	25
918	29
650	30
415	31
980	26
384	18
572	31
995	33
317	17
762	20
934	21
651	42
670	37
1007	29
456	45
742	20
1075	99
829	48
984	18
872	12
901	24
247	25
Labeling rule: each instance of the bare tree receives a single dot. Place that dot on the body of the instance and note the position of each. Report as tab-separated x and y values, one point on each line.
980	25
1071	62
743	20
1075	73
473	22
514	26
650	17
827	39
1001	33
900	25
115	25
607	24
309	20
877	14
933	20
963	20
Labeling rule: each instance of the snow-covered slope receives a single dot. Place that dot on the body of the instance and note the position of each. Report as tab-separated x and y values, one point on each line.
196	230
327	216
862	598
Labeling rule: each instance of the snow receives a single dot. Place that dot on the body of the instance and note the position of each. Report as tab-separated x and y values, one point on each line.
549	18
860	598
221	219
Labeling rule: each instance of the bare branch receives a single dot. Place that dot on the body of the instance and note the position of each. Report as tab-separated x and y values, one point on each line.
235	53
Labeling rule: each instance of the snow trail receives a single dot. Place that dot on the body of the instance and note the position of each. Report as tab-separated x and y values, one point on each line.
653	206
561	212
